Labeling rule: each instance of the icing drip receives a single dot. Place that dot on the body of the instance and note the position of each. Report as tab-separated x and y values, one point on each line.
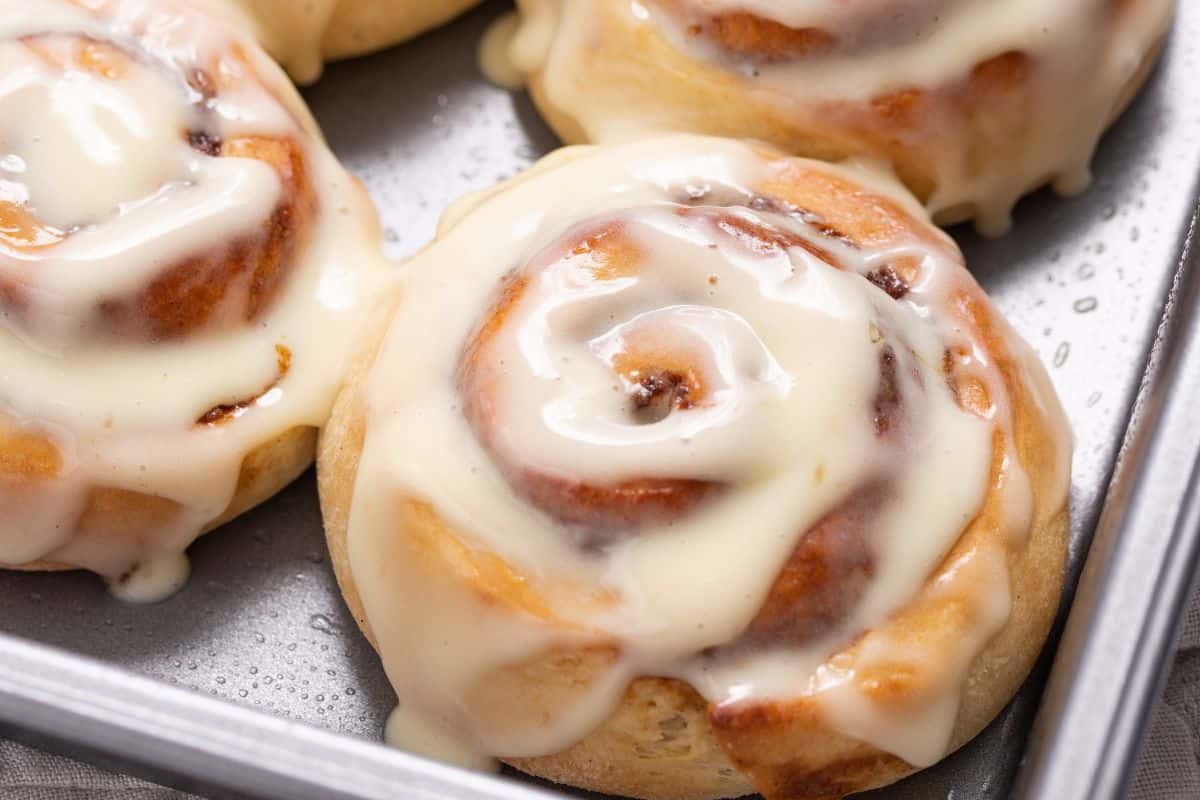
985	100
147	151
153	580
494	62
631	355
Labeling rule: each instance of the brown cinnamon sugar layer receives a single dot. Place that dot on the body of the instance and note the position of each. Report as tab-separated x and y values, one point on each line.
232	283
227	412
863	24
658	384
246	274
761	39
824	579
659	377
26	453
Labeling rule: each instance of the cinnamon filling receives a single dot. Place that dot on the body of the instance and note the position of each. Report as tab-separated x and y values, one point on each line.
825	577
205	143
862	24
658	394
752	37
886	279
833	560
246	274
227	412
232	284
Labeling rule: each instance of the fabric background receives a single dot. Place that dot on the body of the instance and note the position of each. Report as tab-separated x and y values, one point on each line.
1169	767
27	774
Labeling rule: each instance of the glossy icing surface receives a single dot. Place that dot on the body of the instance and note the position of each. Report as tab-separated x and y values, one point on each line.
643	383
858	73
113	115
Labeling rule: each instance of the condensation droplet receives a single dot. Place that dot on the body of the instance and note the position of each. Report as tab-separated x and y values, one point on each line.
1062	353
1085	305
322	623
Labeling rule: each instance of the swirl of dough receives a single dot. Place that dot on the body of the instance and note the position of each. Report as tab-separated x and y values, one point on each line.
972	103
770	32
566	392
166	215
78	263
707	454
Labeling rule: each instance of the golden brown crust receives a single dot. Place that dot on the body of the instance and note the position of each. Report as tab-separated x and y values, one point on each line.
266	470
328	30
761	39
338	450
993	103
228	286
664	742
362	26
186	297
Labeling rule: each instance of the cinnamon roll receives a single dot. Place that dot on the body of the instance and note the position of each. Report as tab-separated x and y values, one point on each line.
972	102
686	469
303	36
181	261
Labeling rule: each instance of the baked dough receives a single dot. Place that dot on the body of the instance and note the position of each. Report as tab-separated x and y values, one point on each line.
706	648
303	36
972	103
171	328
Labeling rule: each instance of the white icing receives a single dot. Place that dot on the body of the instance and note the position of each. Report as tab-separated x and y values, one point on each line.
58	130
1084	54
416	732
153	580
789	352
105	158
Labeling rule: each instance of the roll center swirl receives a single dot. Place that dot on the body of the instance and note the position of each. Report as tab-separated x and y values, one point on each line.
644	363
123	148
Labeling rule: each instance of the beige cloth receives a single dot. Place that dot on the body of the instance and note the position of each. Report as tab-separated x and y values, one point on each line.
1170	763
27	774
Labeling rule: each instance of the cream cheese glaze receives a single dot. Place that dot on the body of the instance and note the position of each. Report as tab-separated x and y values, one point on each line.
1083	59
787	415
98	152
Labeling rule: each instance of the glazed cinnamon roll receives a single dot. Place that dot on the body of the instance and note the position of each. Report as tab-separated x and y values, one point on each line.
303	36
972	102
180	263
687	469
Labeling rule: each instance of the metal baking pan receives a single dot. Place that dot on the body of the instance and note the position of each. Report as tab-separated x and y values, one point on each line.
254	682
